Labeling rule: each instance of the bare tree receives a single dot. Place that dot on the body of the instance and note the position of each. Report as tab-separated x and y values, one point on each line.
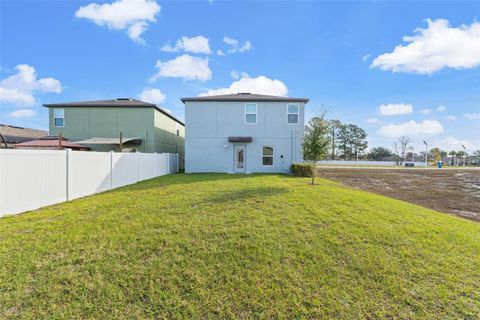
404	141
400	149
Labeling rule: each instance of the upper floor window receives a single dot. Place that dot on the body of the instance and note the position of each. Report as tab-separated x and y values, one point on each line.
58	117
251	113
293	110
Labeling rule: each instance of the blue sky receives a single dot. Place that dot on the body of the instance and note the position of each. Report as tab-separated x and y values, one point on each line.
349	57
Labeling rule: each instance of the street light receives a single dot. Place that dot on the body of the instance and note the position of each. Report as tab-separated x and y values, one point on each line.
413	154
464	154
426	153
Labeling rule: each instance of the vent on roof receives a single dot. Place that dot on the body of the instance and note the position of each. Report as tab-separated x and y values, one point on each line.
243	93
124	99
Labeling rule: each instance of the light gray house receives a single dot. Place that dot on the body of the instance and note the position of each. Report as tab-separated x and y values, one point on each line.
243	133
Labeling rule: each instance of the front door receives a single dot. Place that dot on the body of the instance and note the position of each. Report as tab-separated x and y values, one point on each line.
239	159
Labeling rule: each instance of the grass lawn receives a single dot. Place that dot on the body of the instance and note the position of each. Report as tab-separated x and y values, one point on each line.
234	246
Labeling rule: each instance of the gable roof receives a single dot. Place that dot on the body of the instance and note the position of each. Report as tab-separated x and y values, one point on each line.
245	97
119	102
14	134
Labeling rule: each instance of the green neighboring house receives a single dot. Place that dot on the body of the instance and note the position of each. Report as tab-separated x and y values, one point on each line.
122	124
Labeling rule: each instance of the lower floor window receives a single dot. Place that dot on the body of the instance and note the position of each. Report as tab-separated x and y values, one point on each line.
267	159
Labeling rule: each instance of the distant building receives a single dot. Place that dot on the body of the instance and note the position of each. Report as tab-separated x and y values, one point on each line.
243	133
51	143
14	135
122	124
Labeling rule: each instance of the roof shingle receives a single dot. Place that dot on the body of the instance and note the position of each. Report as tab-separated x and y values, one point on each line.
119	102
245	97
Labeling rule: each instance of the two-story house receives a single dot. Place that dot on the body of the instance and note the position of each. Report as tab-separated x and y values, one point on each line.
243	133
122	124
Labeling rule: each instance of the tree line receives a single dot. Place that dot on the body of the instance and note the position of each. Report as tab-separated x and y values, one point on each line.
333	139
347	141
403	151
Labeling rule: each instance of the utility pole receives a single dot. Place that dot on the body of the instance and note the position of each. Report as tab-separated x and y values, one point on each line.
426	153
464	154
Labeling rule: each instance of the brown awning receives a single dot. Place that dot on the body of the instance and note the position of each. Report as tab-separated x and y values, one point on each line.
239	139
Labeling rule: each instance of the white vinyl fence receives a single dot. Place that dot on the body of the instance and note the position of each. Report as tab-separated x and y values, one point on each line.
30	179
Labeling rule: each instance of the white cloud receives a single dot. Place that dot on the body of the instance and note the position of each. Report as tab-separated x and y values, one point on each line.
451	118
441	108
235	45
23	113
411	128
230	41
472	116
366	57
260	85
198	44
237	75
185	66
152	95
395	109
434	48
373	121
220	53
133	16
451	143
426	111
20	88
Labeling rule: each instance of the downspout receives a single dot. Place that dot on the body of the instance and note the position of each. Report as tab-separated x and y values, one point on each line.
146	142
121	141
293	146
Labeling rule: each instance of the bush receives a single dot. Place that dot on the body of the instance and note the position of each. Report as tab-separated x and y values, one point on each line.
301	169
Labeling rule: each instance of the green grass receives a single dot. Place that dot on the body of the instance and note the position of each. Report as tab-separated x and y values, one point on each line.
232	246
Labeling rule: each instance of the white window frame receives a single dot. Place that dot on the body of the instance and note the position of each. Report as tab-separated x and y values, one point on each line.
63	112
268	156
256	113
297	113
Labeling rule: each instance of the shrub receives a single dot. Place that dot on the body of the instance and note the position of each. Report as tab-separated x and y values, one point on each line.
301	169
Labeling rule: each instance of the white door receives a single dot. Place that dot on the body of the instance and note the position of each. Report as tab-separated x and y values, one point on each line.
239	159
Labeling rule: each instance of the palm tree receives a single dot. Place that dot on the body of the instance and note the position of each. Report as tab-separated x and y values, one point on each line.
461	154
453	154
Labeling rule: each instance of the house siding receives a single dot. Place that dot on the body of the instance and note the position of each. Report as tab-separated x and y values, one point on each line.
209	124
157	131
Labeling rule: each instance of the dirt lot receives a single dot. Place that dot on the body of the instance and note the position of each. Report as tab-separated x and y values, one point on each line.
451	191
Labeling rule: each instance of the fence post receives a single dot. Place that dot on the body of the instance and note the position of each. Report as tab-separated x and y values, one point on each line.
111	169
178	166
67	174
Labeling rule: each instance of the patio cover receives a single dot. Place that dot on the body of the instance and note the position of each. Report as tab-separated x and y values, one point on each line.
134	140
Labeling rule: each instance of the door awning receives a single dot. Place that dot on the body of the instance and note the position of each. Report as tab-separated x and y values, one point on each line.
239	139
116	141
